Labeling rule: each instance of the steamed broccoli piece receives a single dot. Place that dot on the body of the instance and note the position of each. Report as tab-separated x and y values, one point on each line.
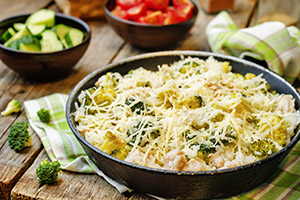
105	96
47	172
14	106
263	148
18	136
88	101
122	152
204	150
44	115
111	143
135	106
154	133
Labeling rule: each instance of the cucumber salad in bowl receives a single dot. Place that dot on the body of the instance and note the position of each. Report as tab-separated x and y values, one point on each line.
40	33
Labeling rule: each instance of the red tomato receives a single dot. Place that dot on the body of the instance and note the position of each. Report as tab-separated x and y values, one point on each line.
120	12
157	4
183	12
134	13
156	17
170	17
141	20
177	3
126	4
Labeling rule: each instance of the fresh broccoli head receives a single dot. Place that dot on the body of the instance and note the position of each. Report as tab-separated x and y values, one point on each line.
18	136
14	106
44	115
47	172
263	148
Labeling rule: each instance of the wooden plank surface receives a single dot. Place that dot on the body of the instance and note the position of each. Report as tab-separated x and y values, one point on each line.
13	165
68	186
14	7
105	47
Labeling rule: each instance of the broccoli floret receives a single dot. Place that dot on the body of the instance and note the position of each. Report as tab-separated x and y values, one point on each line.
104	96
204	150
44	115
263	148
14	106
111	143
47	172
122	152
135	106
88	100
138	107
188	135
153	133
18	136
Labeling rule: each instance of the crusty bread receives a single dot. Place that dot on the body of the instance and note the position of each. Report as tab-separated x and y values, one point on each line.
213	6
85	9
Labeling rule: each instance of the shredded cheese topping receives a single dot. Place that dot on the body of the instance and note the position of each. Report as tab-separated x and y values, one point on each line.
191	115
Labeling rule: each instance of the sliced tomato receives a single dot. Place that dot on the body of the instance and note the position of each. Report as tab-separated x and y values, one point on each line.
126	4
120	12
157	4
178	3
134	13
170	17
183	12
156	17
141	20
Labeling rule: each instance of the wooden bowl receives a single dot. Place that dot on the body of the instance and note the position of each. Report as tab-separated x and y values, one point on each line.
183	184
147	36
40	65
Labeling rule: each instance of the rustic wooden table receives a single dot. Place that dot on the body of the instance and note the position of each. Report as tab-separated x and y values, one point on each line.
17	170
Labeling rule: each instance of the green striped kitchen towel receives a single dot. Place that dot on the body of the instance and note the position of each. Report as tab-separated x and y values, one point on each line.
57	138
61	145
272	42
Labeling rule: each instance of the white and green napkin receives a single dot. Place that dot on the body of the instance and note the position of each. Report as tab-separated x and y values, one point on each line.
57	138
272	42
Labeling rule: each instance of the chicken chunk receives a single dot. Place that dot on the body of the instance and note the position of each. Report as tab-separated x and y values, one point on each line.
135	156
216	160
194	165
175	160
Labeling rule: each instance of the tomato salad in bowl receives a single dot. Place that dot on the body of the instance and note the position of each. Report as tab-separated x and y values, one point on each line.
157	12
152	25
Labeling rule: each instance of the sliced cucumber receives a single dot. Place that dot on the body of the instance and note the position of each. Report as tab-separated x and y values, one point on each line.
29	43
18	36
18	26
29	47
50	42
39	33
43	16
26	43
36	29
63	41
61	30
14	44
74	37
9	33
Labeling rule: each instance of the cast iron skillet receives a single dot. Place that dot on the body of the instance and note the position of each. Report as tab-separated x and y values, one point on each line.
183	184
